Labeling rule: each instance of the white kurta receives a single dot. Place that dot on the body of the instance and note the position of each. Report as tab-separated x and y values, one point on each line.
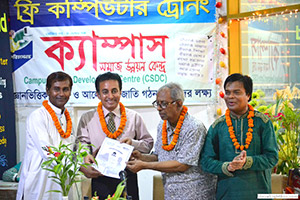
40	131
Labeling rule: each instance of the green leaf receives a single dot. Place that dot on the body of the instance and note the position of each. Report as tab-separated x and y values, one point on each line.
83	154
57	168
58	182
58	191
280	138
119	190
49	169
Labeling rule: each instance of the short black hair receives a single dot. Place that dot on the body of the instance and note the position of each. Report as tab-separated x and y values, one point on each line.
246	80
58	76
108	76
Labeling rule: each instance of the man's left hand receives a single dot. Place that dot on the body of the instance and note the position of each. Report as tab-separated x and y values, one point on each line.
238	162
135	165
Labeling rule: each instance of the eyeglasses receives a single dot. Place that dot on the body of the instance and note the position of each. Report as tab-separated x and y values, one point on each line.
163	104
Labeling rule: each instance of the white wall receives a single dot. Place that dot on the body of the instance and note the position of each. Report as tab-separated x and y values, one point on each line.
205	113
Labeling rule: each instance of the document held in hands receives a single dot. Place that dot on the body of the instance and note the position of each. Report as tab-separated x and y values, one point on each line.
112	157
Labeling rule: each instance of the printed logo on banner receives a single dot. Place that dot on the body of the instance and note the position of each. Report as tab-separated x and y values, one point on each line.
20	46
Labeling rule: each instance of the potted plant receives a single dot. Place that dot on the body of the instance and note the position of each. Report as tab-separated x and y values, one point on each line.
64	163
286	121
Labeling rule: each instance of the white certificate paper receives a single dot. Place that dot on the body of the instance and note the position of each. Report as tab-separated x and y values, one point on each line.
112	157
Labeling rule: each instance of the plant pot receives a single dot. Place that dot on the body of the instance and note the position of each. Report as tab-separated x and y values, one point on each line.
279	182
65	198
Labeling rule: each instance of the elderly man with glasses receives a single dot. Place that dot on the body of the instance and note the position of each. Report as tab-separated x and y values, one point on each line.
180	138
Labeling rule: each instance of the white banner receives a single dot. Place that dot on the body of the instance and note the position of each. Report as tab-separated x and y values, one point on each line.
145	56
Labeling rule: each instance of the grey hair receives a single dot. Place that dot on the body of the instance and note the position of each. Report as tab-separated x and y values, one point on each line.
175	90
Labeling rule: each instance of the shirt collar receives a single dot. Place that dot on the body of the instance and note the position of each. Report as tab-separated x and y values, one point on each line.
241	117
57	110
170	128
116	111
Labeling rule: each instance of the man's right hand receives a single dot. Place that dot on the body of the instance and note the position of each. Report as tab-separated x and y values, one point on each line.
89	159
238	162
90	172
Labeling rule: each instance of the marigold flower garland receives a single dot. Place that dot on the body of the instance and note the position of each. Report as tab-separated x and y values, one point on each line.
249	133
103	122
56	122
171	146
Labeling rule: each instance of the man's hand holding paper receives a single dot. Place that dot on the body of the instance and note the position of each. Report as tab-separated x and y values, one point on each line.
112	157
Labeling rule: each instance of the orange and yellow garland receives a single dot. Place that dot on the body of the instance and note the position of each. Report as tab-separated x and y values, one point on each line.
103	122
171	146
249	133
56	122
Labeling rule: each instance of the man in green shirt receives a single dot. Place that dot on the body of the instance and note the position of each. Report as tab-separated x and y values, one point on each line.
240	146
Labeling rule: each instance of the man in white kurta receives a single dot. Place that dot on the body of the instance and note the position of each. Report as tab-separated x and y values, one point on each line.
40	132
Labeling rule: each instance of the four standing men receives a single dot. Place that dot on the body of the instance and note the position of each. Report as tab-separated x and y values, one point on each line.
240	147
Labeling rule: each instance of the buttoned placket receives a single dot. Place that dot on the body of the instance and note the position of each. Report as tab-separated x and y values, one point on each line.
59	116
237	127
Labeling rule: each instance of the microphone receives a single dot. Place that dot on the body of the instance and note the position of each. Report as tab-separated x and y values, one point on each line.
122	175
